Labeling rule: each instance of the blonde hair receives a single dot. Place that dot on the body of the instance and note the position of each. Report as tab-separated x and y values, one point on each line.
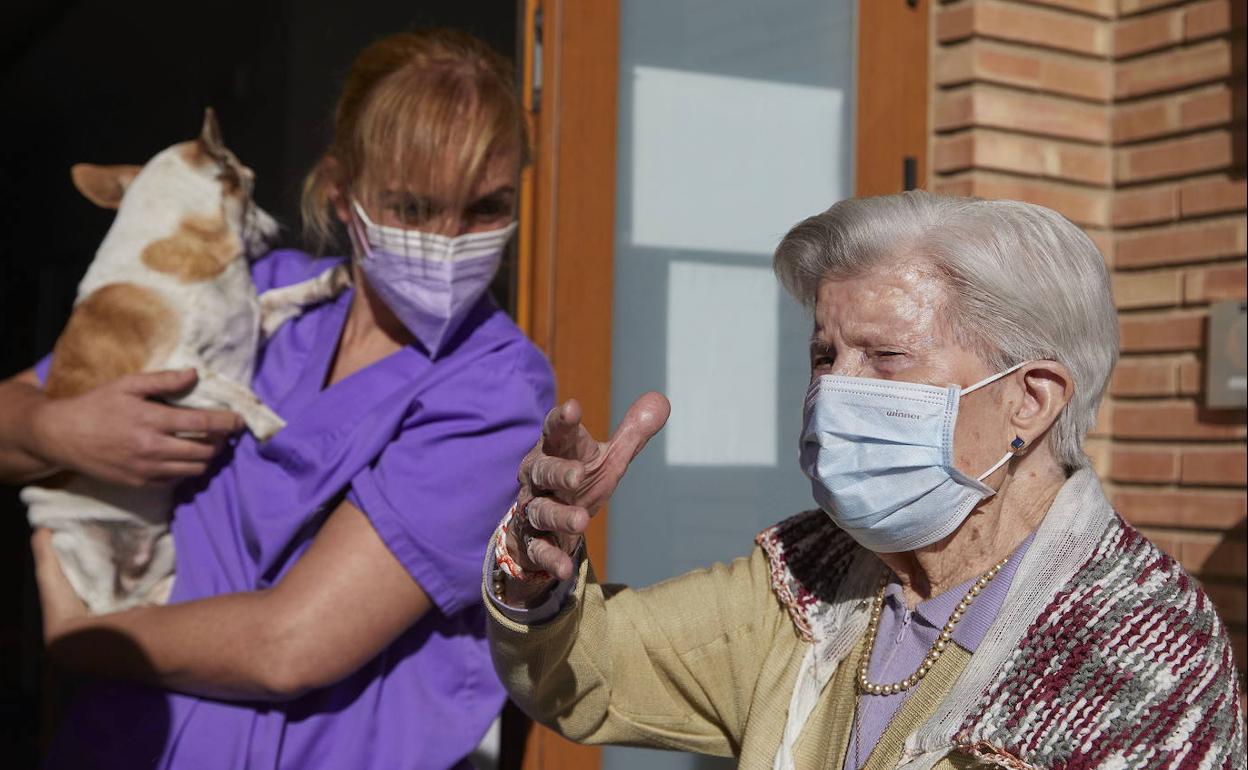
425	109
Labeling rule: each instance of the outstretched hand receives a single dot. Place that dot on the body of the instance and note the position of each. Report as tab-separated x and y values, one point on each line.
568	477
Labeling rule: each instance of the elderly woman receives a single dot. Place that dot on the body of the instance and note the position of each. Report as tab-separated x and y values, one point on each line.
965	593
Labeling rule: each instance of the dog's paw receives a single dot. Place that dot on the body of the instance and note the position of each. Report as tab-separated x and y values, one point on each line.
339	279
263	423
273	315
159	593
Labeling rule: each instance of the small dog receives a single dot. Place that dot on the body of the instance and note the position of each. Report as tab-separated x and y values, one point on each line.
169	288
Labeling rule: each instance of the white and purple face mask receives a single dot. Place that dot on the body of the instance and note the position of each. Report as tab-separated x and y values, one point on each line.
428	281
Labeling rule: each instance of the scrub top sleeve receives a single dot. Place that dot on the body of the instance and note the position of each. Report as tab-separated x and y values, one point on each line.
434	493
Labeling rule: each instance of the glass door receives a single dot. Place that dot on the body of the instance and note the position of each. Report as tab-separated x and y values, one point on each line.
735	121
675	142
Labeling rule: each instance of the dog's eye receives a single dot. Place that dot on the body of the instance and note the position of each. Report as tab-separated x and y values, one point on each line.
228	178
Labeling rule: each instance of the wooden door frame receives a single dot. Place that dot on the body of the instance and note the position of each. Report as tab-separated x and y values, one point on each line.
567	201
567	215
567	207
892	95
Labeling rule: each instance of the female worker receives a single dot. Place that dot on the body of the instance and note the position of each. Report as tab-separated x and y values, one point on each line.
326	611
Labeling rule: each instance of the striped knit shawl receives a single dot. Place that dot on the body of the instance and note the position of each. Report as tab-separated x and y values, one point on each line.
1117	660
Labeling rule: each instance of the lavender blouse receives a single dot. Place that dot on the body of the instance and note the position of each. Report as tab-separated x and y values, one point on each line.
905	637
428	449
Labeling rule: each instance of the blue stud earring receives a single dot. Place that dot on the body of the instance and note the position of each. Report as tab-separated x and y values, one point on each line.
1017	444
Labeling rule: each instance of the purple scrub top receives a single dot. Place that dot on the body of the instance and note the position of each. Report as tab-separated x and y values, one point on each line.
428	449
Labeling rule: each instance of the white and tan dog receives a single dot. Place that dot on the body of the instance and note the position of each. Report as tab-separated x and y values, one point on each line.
169	288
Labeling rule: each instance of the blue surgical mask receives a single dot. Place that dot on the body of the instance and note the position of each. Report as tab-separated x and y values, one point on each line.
879	455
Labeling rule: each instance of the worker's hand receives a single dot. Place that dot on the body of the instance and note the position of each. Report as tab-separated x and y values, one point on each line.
567	478
116	433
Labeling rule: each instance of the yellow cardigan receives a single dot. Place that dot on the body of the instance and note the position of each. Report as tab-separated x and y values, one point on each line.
705	662
712	661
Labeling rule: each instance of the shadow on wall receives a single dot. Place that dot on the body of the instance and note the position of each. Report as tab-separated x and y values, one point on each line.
1221	568
1224	566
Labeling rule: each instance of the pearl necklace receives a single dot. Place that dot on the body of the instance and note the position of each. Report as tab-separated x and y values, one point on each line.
866	686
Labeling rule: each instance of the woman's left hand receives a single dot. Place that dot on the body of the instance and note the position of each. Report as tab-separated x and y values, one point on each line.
61	605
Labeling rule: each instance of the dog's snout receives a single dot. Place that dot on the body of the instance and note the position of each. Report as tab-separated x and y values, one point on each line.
262	230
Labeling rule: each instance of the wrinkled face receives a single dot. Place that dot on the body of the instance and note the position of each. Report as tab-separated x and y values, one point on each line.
891	324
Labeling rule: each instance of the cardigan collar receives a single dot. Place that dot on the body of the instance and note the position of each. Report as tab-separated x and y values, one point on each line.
825	581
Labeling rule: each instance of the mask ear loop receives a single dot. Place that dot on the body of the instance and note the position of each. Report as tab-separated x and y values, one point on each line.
994	377
361	213
355	227
1017	444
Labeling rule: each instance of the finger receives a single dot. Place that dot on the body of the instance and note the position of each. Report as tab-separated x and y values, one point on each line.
164	383
550	558
556	474
205	422
172	470
168	448
523	474
57	596
48	573
561	428
646	417
214	441
41	547
550	516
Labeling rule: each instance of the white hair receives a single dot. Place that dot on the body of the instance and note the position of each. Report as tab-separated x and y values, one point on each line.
1023	281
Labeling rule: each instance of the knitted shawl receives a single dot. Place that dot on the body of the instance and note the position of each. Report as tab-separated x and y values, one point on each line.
1106	654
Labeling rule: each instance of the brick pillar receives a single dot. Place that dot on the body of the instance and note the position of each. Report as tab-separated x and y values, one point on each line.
1127	116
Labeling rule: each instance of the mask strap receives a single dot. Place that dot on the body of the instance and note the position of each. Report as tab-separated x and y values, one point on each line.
361	213
355	227
987	381
1004	459
993	378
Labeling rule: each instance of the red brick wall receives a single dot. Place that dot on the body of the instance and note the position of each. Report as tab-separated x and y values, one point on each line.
1128	117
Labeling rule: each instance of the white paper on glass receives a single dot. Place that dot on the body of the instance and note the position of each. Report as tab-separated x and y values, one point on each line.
722	324
729	164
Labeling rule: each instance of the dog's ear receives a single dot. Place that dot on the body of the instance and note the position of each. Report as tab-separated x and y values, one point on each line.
103	185
210	134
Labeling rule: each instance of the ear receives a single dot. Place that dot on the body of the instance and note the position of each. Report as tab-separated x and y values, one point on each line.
103	185
210	134
330	171
1048	388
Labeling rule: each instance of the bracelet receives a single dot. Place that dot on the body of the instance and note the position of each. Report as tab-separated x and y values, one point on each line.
504	560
